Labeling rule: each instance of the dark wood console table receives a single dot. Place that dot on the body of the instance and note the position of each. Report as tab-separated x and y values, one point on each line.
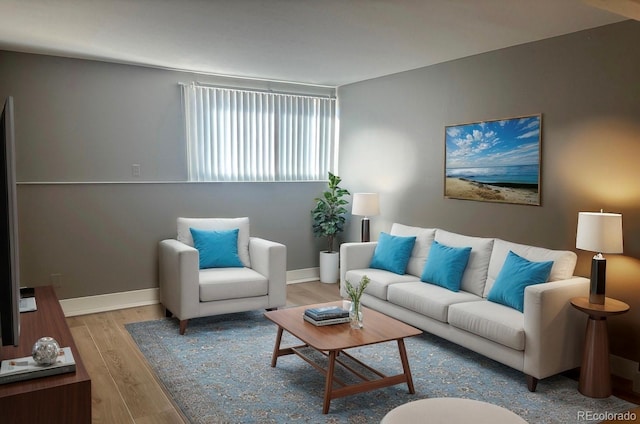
64	398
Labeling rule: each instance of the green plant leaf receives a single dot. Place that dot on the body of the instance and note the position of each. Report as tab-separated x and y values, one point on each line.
328	213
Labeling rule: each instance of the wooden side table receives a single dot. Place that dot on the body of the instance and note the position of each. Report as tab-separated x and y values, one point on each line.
595	376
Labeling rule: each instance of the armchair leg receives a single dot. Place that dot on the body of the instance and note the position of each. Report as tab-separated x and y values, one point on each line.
532	383
183	326
167	313
271	309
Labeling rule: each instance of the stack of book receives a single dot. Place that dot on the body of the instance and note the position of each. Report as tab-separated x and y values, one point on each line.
26	368
326	315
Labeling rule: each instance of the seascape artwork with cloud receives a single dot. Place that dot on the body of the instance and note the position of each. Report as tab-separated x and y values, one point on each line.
496	161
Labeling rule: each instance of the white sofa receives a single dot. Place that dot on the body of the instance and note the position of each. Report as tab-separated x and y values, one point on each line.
189	292
543	340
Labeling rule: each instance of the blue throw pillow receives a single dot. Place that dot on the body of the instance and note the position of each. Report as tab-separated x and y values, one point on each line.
217	249
516	274
392	253
445	266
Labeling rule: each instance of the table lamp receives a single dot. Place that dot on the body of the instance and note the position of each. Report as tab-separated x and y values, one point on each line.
602	233
365	204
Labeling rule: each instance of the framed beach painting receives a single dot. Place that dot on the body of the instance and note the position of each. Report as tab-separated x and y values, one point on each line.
494	161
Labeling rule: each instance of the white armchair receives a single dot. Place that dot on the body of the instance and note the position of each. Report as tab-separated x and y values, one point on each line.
186	291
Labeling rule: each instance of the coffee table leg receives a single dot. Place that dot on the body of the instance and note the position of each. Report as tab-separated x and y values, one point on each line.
329	381
405	365
276	348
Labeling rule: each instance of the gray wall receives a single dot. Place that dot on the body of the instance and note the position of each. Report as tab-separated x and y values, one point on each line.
80	126
587	87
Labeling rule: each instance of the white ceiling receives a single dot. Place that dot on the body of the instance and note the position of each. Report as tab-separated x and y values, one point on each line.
328	42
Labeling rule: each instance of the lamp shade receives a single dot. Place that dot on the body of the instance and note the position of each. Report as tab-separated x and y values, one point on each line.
599	232
365	204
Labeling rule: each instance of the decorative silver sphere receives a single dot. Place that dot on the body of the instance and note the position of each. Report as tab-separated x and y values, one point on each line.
45	351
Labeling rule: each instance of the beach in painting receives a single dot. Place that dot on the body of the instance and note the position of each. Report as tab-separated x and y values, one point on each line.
509	184
459	188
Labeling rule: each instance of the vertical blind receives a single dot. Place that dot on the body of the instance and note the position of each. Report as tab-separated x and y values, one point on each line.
243	135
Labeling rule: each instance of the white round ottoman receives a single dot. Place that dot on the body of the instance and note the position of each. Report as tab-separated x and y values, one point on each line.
450	411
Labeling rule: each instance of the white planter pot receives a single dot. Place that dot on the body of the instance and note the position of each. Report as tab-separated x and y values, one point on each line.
329	267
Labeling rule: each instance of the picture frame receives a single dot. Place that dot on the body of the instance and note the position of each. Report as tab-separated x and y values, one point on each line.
495	160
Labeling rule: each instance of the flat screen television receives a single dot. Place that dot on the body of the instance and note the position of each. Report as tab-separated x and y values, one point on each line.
9	262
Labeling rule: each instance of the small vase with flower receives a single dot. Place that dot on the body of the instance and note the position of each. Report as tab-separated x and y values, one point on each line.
355	309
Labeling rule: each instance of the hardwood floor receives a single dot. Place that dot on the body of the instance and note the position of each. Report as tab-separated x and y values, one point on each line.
307	293
124	389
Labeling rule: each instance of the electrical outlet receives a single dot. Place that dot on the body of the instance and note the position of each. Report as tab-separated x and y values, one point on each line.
135	170
55	280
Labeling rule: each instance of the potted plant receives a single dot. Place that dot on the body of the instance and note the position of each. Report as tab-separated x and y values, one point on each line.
328	221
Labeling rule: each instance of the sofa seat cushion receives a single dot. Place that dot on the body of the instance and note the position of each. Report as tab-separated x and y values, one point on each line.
427	299
490	320
231	283
380	280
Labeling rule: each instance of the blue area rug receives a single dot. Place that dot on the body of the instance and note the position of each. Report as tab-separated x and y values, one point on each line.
219	372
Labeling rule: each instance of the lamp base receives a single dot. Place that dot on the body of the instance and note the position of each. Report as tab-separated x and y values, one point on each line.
364	230
598	281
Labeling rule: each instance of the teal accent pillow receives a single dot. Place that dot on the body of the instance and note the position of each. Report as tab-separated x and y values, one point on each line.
217	249
445	266
392	253
516	274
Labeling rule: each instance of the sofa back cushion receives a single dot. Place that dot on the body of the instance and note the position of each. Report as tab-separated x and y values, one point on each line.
185	224
564	261
392	253
475	274
445	266
424	238
516	275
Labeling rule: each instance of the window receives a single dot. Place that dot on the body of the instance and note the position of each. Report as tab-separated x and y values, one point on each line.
244	135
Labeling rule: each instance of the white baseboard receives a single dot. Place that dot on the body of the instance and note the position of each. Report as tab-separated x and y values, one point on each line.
109	302
303	275
626	368
131	299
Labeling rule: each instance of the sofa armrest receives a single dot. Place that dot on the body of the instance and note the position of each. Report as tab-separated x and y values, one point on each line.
355	256
178	278
269	258
554	329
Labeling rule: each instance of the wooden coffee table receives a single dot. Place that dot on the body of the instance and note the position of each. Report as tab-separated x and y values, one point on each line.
333	340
